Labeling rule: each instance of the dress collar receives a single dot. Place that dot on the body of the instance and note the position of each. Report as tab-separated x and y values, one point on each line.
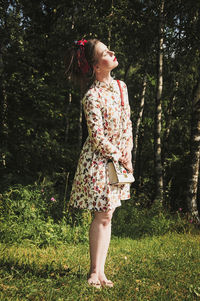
109	86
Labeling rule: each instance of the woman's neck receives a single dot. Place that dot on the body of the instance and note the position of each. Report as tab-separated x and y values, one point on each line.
104	77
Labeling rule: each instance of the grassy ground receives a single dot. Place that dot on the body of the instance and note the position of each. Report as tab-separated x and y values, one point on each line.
154	268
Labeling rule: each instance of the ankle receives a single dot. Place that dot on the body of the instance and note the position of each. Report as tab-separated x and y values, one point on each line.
102	276
101	272
93	270
92	274
93	277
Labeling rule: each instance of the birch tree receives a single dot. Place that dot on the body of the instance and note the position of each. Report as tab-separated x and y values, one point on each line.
158	115
3	117
3	94
193	38
67	118
194	156
139	120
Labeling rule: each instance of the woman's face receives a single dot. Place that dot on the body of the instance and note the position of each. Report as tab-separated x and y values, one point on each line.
106	58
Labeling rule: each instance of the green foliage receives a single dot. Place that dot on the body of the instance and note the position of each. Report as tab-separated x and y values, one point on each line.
29	214
36	214
133	219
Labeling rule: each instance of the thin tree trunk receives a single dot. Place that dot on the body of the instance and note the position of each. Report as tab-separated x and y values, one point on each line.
3	118
69	101
169	116
127	70
80	136
140	165
3	94
157	134
195	156
166	144
135	140
110	25
67	118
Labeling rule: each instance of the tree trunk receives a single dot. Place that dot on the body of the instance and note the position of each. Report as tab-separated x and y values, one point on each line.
194	156
169	116
166	143
110	25
80	136
135	140
3	118
158	115
67	118
127	70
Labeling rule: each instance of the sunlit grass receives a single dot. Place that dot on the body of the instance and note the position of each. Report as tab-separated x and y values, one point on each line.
153	268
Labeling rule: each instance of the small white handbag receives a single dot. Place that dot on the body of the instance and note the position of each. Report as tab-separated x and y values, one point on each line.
118	174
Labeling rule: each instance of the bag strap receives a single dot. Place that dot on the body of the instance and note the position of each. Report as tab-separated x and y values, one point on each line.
122	96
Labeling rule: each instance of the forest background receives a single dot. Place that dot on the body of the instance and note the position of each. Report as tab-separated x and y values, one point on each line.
42	126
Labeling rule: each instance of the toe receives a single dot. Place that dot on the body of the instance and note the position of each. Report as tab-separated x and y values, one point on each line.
107	283
94	283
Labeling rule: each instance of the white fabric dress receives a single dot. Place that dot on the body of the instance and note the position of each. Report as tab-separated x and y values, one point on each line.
110	133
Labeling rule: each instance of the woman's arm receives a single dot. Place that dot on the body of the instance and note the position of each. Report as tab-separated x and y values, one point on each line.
93	115
128	130
127	133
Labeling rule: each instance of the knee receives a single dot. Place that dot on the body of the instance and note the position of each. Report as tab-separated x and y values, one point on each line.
105	218
106	221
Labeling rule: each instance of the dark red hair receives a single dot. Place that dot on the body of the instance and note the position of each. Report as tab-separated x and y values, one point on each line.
81	59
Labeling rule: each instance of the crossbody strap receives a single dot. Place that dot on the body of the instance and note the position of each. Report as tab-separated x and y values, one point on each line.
122	96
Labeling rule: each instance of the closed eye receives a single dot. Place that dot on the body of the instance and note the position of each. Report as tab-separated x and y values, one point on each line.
105	52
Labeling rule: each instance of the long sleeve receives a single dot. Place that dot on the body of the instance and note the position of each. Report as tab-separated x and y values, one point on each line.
128	131
93	114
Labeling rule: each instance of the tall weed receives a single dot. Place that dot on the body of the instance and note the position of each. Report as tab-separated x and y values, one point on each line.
33	214
26	215
135	221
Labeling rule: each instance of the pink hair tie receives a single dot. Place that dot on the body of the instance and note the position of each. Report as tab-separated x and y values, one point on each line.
82	61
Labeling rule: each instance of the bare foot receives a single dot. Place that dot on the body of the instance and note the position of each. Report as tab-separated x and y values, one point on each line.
105	282
94	281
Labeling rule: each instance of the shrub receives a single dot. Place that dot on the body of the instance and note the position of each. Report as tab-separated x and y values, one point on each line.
30	214
134	221
26	215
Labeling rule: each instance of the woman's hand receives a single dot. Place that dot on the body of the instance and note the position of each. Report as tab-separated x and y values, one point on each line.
126	160
128	166
127	156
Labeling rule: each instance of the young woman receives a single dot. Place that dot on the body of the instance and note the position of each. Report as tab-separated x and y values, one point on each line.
110	137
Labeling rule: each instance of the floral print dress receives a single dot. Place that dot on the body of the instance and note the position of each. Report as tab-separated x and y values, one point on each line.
110	133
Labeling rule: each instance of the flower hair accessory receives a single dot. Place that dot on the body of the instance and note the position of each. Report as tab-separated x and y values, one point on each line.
82	61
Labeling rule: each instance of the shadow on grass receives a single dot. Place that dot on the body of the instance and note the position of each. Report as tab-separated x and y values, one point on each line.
46	271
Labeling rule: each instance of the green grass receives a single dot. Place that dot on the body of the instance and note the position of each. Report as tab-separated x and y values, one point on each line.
153	268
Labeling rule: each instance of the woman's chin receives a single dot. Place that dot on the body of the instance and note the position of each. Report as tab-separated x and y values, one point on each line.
115	64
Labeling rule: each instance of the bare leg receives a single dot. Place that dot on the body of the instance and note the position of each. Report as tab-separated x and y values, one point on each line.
100	233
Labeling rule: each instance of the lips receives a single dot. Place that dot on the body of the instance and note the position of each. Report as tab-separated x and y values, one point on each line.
115	59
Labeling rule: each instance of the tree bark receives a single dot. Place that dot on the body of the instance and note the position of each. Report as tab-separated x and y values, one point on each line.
166	141
169	116
139	119
158	115
194	156
67	118
110	24
80	136
127	70
3	115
